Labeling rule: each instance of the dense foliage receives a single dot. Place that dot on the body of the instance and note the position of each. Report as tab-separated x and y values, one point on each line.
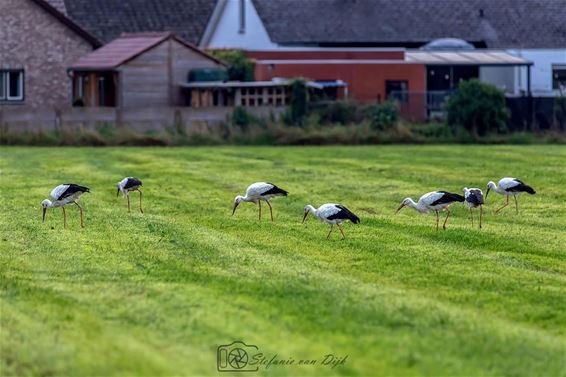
383	116
478	107
240	68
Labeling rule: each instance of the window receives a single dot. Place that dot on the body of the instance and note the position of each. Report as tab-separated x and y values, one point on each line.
559	77
11	85
397	90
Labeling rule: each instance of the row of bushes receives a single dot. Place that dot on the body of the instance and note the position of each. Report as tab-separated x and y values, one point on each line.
476	114
265	132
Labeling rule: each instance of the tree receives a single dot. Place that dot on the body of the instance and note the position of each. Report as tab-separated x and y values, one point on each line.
478	107
240	68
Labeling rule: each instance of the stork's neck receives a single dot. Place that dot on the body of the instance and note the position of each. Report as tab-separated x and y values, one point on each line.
416	206
312	210
495	187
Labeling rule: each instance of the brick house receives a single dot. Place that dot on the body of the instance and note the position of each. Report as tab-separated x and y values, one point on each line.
38	44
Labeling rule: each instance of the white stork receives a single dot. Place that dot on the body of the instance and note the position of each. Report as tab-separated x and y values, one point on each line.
129	184
62	195
332	214
473	199
257	192
433	201
509	186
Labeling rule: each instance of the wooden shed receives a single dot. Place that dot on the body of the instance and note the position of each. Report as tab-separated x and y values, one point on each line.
137	70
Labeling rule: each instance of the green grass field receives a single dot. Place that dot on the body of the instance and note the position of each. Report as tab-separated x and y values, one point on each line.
156	294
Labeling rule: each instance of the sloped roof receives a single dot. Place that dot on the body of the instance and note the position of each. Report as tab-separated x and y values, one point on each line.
125	48
108	19
491	23
49	8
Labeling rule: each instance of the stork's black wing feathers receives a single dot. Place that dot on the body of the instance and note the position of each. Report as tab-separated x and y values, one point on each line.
72	189
475	197
344	213
132	182
521	187
275	191
448	197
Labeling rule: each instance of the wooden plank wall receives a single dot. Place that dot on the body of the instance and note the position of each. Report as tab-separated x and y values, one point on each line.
144	80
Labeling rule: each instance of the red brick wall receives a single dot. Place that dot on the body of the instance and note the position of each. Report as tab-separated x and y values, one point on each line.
366	82
317	54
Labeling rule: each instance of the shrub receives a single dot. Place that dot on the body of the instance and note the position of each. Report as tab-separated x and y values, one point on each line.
382	116
342	112
299	100
478	107
240	68
241	118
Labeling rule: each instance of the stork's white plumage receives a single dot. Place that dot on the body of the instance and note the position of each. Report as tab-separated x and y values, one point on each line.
333	214
130	184
474	199
509	186
433	201
257	192
67	193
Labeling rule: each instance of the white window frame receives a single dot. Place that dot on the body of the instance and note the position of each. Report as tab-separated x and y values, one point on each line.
6	85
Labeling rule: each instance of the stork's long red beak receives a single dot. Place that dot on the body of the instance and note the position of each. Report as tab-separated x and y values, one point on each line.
117	192
305	216
44	210
487	192
398	209
234	210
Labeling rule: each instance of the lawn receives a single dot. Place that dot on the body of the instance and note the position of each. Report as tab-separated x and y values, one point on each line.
156	293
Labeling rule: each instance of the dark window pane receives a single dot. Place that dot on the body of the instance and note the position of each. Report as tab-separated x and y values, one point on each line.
14	89
2	86
558	78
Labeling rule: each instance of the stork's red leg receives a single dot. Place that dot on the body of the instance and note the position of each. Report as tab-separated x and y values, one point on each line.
81	208
504	205
64	217
516	205
437	219
331	226
341	231
481	214
270	209
472	216
259	203
128	197
141	209
446	219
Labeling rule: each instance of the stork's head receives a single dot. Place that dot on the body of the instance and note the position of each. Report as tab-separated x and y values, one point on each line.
308	208
237	200
490	185
46	203
404	203
119	188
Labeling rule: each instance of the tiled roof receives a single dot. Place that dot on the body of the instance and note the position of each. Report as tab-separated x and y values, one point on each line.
108	19
493	23
125	48
48	6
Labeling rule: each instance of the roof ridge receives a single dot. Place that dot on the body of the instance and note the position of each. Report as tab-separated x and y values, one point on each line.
68	22
145	34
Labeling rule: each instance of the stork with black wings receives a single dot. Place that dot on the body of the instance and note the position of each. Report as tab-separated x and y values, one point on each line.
433	201
474	199
130	184
62	195
257	192
333	214
509	186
